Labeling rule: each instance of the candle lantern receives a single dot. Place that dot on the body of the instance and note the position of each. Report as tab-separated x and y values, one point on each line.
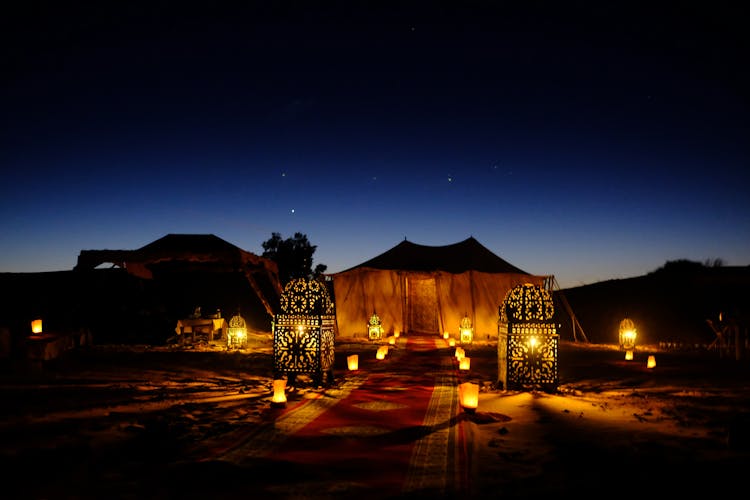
627	335
466	330
527	344
36	326
352	362
303	333
237	333
468	396
464	363
446	335
628	355
279	392
374	327
651	362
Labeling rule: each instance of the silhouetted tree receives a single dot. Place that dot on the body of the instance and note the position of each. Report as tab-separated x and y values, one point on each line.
681	266
294	256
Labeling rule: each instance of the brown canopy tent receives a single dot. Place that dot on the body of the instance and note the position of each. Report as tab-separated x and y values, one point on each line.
419	288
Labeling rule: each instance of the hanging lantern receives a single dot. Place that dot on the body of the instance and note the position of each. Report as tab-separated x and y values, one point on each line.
464	363
627	334
628	355
466	330
279	392
527	342
352	362
651	363
468	396
374	327
237	333
36	326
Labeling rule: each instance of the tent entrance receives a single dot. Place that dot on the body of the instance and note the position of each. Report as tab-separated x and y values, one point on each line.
422	304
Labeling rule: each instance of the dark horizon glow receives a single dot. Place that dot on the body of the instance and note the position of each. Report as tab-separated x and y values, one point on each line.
591	143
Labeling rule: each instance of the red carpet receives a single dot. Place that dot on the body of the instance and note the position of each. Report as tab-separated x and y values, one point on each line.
394	429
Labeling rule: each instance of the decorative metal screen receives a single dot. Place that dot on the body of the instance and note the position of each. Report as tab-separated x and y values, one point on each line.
303	333
527	341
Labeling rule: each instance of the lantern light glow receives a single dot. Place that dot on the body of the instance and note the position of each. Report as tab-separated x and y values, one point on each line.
468	396
651	363
237	332
627	334
466	330
382	352
374	327
464	363
36	326
353	362
279	394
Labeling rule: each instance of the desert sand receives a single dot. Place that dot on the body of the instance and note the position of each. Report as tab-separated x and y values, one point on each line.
146	421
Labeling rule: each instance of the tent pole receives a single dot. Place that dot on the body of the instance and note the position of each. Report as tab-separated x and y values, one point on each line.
576	325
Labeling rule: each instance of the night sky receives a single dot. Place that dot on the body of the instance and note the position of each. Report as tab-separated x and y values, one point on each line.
591	141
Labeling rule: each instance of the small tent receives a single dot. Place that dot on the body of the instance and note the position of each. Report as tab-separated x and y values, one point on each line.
427	289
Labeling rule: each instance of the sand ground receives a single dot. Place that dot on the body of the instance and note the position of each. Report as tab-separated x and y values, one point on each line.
131	421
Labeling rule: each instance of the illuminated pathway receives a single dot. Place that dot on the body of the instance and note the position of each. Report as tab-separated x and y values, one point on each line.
392	428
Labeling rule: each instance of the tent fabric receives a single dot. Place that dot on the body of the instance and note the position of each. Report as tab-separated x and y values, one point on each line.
448	283
456	258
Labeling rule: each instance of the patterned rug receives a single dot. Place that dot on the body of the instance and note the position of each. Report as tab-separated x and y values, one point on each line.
392	429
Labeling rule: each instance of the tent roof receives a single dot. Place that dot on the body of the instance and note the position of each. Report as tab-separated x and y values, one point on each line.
467	255
198	244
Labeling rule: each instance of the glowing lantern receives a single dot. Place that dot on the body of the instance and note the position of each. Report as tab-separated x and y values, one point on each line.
451	342
236	333
374	327
628	355
396	333
627	335
382	352
466	330
468	396
303	333
460	353
464	363
392	340
527	342
279	394
352	362
446	335
651	362
36	326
